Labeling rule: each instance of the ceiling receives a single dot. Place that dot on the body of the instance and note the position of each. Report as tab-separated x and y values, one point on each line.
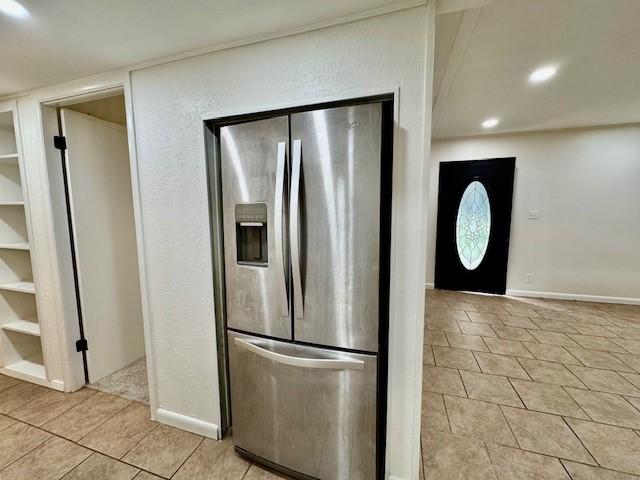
484	57
70	39
111	109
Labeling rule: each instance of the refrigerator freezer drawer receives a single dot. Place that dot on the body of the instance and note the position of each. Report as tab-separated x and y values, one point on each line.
308	409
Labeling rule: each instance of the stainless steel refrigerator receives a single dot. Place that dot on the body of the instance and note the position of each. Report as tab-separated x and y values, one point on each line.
304	265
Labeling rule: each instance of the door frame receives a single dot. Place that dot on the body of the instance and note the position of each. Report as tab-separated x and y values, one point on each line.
211	125
509	218
93	88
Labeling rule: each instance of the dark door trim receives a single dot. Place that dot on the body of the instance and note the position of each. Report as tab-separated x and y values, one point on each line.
497	176
60	143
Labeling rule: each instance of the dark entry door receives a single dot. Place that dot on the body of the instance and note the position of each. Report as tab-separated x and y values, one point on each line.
474	221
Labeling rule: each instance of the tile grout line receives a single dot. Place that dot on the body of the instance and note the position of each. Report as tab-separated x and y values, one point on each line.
52	418
629	403
446	412
551	456
518	359
28	401
247	471
101	423
52	435
87	447
518	394
138	442
564	387
90	455
504	417
188	457
566	470
580	440
486	450
26	453
524	404
41	427
463	385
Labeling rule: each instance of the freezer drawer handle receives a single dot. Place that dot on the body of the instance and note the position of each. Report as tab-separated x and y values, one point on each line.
277	223
294	218
325	363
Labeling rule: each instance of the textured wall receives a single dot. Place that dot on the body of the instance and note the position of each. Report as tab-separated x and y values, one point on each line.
170	100
585	186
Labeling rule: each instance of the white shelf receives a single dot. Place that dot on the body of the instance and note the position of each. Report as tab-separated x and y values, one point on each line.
27	370
14	246
23	326
10	159
21	354
22	287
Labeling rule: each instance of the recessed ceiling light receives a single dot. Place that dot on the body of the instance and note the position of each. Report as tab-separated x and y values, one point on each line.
542	74
13	9
490	123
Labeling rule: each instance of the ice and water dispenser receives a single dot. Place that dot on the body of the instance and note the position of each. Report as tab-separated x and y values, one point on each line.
251	234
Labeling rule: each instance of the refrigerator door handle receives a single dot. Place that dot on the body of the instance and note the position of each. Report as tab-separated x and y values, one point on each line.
277	224
303	362
294	218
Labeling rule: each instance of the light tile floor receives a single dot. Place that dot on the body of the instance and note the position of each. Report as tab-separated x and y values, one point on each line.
523	389
513	389
92	435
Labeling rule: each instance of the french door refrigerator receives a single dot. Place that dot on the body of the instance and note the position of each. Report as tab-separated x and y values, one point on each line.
305	248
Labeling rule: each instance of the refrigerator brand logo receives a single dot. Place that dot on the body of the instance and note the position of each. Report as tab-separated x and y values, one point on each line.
351	125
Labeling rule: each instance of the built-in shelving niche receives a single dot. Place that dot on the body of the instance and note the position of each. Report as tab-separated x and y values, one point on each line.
20	344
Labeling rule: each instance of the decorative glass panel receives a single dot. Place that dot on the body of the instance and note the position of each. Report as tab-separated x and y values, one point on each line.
473	225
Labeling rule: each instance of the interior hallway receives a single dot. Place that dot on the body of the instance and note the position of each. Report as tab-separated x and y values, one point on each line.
50	435
520	388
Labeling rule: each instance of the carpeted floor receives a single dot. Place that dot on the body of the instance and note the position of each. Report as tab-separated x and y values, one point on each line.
130	382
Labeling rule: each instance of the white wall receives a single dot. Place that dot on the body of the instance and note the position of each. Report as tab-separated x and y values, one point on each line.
170	102
586	186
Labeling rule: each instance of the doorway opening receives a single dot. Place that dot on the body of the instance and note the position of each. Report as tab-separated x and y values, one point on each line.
90	184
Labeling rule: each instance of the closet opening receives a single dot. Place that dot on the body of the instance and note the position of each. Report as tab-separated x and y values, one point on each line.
89	172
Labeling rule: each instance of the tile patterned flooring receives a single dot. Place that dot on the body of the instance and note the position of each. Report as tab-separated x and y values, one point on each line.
92	435
513	389
524	389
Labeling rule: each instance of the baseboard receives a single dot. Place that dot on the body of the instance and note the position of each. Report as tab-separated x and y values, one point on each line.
27	377
564	296
187	423
574	296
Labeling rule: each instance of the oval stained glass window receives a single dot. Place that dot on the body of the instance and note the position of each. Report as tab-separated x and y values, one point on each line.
473	225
